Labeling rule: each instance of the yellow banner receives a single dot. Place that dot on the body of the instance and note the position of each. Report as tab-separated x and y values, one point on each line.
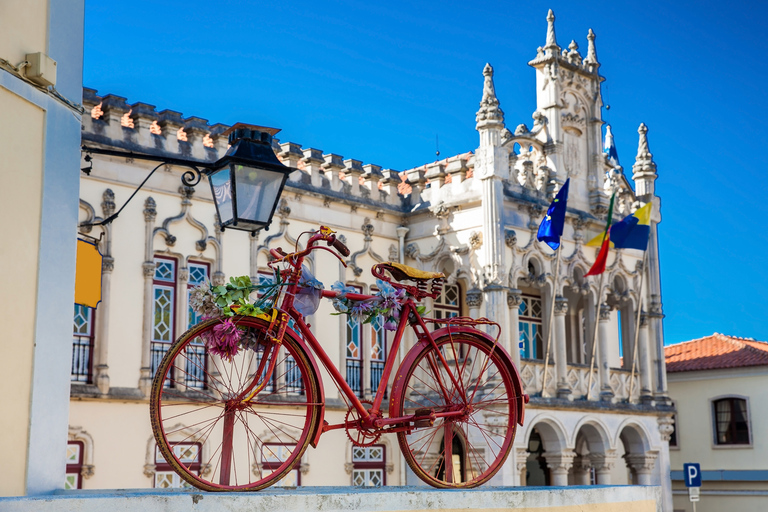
88	276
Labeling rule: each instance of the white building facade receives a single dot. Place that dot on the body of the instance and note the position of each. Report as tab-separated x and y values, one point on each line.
473	216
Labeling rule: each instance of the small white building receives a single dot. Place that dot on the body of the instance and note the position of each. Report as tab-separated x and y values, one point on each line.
719	385
472	216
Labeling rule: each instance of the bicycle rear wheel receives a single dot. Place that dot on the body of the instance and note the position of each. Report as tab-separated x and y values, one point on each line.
208	431
468	380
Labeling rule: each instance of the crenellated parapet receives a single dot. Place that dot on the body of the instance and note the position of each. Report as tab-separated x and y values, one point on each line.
114	123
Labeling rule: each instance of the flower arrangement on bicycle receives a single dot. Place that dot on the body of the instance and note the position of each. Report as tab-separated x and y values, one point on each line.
455	394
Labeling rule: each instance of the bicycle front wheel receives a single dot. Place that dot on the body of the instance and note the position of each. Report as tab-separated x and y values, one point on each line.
210	430
467	384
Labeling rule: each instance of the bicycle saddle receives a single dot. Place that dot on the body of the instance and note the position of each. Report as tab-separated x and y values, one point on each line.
402	272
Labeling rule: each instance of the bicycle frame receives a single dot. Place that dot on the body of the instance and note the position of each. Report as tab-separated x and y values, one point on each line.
408	315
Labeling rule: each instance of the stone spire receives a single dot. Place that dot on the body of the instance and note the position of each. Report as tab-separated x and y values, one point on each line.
644	170
590	61
489	114
551	46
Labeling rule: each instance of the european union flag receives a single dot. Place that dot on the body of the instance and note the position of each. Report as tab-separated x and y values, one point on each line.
551	227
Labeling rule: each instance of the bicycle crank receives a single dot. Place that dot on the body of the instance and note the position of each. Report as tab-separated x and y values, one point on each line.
356	432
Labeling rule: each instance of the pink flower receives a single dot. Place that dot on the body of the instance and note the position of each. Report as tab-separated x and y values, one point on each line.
225	340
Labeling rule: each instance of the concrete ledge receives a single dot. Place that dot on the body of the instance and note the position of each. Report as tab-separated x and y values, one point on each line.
332	499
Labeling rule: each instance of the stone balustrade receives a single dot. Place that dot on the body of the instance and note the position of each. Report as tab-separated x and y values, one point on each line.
532	373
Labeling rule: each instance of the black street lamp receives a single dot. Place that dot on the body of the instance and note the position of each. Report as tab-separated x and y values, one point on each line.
246	182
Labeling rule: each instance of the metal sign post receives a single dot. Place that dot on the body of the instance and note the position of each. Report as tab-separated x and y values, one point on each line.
692	473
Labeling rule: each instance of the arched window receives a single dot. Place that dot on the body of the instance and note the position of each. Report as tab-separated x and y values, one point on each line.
458	459
731	421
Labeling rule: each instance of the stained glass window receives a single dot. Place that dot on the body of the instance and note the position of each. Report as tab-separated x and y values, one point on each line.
82	344
530	326
196	353
73	478
165	476
163	309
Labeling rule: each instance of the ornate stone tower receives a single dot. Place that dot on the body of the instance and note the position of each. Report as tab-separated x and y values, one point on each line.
568	95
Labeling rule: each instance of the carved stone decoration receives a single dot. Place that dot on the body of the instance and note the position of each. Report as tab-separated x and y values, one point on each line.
489	112
641	462
108	203
475	240
666	427
412	250
514	298
561	305
534	211
605	312
326	202
393	252
474	298
150	209
149	268
367	229
510	238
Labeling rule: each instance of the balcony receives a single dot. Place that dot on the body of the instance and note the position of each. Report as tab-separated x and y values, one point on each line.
532	371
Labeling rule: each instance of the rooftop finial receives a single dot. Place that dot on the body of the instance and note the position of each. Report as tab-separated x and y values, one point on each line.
489	104
551	45
642	145
644	170
591	57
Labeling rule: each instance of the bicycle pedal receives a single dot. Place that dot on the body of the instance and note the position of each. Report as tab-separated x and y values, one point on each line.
423	422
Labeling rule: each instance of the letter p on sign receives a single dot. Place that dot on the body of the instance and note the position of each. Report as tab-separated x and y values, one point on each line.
692	472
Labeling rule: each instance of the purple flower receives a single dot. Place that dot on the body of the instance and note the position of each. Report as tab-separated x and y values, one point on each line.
225	340
390	324
360	310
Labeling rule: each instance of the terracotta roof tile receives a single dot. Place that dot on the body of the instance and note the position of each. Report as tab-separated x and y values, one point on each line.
714	352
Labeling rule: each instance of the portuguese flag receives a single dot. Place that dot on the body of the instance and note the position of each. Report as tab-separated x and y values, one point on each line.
599	266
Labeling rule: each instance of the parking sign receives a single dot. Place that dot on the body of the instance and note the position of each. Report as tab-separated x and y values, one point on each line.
692	473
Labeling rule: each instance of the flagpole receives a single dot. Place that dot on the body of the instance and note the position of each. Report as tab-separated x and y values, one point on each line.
637	324
551	319
594	336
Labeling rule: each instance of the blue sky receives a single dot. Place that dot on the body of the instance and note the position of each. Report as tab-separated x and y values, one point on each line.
378	81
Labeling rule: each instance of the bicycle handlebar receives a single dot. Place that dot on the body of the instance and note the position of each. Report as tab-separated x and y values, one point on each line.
339	246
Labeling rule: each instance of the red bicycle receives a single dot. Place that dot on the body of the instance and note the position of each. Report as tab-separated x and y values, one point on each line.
455	401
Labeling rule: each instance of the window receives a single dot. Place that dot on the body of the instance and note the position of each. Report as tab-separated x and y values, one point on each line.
273	454
73	477
165	477
448	303
369	465
378	349
82	345
196	353
354	330
163	303
731	421
530	327
673	435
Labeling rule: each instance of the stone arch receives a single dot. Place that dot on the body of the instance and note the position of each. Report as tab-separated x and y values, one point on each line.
595	433
552	432
638	456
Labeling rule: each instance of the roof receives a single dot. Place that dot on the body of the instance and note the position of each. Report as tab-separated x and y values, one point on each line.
715	352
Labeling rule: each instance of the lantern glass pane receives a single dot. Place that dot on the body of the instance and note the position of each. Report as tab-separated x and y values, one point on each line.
221	187
257	191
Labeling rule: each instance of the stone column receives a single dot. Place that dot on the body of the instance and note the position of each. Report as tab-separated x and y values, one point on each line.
559	464
646	378
603	338
148	268
561	355
665	431
514	299
521	465
603	464
642	465
101	368
582	468
474	301
655	317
